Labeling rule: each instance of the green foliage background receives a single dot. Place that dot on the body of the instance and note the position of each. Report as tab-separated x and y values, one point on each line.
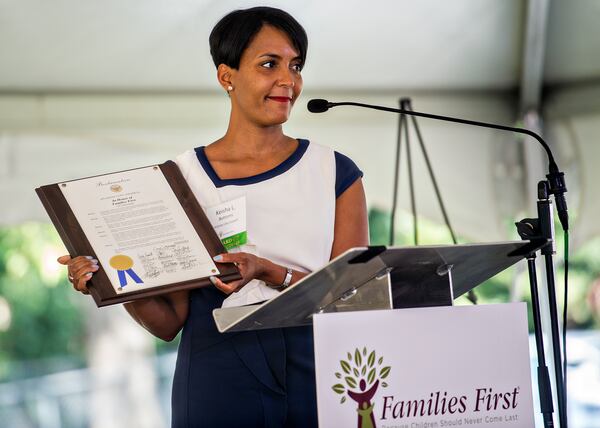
44	320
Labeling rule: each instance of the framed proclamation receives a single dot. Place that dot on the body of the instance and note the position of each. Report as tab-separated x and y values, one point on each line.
144	226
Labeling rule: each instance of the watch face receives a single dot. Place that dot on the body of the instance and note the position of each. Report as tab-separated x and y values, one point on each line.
288	278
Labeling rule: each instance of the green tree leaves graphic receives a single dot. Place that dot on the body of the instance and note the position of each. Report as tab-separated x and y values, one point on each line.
359	367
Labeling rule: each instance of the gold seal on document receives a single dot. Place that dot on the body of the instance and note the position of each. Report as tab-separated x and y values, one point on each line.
116	188
121	262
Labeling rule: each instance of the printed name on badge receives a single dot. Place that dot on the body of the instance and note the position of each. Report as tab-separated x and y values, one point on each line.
229	221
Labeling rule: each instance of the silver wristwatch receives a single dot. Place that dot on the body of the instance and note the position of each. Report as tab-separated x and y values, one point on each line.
288	279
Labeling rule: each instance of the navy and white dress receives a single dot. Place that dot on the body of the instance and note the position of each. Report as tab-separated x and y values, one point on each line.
261	378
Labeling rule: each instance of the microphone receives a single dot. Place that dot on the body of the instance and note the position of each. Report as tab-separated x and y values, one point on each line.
318	106
555	177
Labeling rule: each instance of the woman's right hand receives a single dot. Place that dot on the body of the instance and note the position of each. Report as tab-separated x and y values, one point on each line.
79	270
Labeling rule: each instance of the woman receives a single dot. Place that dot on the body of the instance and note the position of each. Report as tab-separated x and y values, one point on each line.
305	205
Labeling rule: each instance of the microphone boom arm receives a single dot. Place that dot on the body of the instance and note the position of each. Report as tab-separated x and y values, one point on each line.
555	176
456	120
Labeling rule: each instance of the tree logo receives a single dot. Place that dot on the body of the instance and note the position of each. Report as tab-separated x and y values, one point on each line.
360	377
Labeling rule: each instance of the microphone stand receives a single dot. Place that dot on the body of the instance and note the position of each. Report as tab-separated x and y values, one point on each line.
540	227
543	228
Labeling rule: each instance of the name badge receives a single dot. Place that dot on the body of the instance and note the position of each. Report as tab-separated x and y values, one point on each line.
229	221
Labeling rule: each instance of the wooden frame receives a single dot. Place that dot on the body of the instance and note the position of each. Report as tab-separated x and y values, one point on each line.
77	243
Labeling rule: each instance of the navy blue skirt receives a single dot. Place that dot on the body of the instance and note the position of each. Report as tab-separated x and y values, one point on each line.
261	378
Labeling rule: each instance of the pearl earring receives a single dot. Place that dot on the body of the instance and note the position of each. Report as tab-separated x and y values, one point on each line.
229	88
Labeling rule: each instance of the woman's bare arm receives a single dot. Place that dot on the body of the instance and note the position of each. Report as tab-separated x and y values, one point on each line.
351	221
163	316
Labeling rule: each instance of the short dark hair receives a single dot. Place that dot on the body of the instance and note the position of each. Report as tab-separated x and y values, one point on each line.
234	32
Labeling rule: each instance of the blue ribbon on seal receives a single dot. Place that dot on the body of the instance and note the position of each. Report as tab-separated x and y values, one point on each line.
132	274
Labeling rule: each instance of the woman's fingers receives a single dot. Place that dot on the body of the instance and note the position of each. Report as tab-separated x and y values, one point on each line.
80	284
84	270
80	270
246	263
78	262
232	287
75	264
81	267
63	260
67	260
231	258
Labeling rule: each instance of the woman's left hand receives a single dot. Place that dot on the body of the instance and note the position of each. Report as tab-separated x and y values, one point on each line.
249	265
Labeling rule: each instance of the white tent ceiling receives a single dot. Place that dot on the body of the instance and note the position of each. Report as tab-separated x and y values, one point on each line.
93	86
380	44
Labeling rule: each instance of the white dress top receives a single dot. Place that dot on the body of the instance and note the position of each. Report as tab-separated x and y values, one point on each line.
290	210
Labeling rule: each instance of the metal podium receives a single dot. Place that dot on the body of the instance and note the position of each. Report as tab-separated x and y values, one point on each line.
371	278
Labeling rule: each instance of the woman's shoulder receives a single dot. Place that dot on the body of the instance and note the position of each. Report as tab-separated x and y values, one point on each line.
323	149
346	170
186	160
346	173
186	156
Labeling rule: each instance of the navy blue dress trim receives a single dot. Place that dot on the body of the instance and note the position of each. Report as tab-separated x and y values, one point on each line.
278	170
346	173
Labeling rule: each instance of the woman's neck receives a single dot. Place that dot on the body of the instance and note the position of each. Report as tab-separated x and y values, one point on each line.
247	140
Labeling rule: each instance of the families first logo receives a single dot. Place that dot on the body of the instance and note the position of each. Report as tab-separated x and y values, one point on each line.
360	377
363	373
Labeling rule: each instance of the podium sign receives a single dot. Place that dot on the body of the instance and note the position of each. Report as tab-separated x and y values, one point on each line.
425	367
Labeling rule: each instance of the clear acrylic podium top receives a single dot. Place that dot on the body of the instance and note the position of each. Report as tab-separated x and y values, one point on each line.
380	278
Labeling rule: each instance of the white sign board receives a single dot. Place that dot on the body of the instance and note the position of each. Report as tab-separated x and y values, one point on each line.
424	368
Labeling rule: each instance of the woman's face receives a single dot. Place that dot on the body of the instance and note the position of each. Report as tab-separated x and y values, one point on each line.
268	80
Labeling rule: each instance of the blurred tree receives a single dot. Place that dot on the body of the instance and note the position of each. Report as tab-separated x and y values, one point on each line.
39	318
47	327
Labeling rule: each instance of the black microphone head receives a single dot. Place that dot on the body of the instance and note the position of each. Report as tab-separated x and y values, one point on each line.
318	105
